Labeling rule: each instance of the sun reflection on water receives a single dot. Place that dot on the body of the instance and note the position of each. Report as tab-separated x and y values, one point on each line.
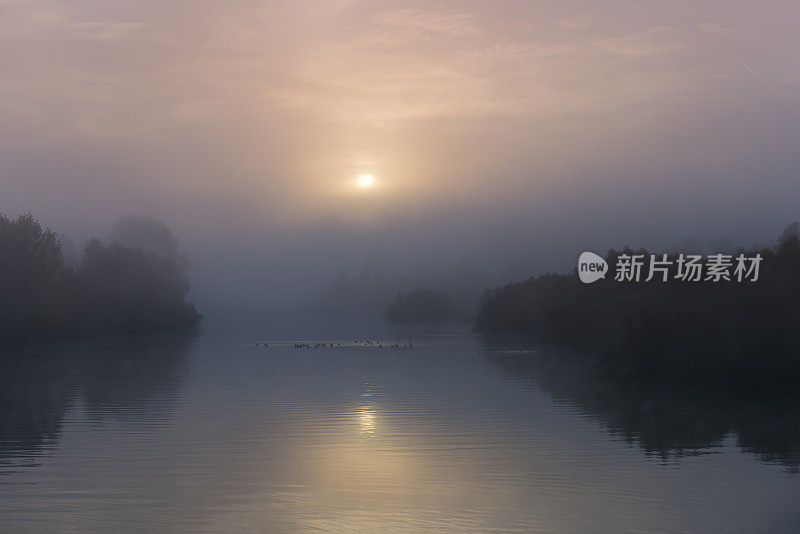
366	419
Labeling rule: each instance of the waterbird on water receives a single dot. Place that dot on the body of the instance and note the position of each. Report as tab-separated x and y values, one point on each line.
364	343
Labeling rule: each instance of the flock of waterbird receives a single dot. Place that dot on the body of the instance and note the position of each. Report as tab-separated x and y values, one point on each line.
380	345
356	343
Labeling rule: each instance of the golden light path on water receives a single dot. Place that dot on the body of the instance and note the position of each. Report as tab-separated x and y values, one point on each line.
445	437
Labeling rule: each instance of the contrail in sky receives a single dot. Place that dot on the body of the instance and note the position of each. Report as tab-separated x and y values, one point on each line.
736	58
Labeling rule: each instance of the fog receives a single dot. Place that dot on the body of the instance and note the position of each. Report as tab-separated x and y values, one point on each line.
504	139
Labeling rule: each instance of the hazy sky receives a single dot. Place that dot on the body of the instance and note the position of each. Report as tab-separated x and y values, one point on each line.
503	131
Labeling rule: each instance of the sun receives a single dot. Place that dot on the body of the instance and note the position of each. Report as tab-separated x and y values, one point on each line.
365	180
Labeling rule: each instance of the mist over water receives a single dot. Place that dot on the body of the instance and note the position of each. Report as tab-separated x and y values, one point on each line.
214	434
257	203
511	138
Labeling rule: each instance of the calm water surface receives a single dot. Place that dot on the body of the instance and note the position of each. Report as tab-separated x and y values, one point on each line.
214	434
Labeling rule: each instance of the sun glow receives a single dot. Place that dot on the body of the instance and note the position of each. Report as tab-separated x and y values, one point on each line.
365	180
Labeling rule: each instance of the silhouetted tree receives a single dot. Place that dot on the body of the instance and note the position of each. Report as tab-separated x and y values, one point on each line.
789	243
741	335
114	289
34	283
124	289
150	235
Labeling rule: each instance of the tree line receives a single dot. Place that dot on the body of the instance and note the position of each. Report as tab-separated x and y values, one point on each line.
742	336
136	283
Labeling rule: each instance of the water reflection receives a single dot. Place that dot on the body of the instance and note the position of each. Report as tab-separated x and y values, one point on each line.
118	379
668	423
444	438
34	397
366	419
